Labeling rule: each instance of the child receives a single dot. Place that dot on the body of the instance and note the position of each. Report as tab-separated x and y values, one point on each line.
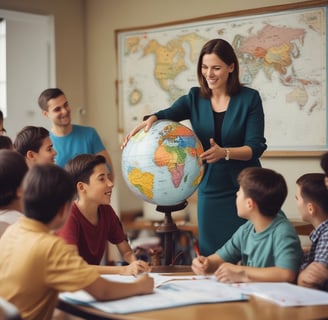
35	145
324	166
92	221
6	143
312	204
267	245
12	171
35	264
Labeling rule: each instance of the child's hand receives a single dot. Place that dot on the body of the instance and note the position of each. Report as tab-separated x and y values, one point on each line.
314	275
137	267
230	273
145	283
200	265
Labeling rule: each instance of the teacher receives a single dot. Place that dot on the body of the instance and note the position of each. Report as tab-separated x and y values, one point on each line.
228	119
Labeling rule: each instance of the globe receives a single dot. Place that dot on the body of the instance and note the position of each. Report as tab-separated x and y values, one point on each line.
163	166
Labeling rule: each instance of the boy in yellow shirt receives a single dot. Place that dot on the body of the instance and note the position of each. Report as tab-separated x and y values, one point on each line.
35	264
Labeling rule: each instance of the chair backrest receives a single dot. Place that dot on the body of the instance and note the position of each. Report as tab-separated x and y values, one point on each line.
8	311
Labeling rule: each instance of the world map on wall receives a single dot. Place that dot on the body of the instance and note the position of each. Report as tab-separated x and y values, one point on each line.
282	55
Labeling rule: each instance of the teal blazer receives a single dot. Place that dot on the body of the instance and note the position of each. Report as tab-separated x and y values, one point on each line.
243	124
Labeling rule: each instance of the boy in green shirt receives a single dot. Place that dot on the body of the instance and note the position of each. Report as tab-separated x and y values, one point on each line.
267	247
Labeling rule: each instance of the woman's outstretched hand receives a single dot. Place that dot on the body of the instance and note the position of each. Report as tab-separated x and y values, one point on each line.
144	124
214	153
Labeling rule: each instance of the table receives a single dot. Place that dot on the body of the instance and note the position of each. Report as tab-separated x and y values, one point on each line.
253	309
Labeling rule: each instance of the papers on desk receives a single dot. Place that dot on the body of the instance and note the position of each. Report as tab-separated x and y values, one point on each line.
170	291
285	294
173	291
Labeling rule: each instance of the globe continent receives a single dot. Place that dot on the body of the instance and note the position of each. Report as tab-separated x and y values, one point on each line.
163	166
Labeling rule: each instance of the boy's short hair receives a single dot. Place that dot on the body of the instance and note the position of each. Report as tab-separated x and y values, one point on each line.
81	167
13	168
5	142
48	94
324	163
46	188
266	187
30	138
313	189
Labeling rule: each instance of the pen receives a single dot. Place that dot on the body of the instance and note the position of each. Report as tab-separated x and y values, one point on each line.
196	248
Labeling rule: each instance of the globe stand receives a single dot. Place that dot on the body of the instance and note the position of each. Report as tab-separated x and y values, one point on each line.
168	227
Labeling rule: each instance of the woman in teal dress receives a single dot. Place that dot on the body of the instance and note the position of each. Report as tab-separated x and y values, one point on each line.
228	119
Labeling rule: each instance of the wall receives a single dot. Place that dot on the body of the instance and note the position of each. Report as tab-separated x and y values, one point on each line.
103	17
86	64
69	42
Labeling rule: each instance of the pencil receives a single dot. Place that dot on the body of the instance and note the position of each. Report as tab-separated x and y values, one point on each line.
196	249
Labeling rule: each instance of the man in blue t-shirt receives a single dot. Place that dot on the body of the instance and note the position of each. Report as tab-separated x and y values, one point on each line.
69	139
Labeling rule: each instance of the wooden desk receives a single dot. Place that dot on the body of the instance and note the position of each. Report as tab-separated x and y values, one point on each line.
254	309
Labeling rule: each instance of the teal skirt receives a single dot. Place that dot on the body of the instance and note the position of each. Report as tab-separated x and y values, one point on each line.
216	207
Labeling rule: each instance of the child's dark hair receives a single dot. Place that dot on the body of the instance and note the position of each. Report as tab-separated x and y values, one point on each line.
6	143
13	168
313	189
324	163
266	187
48	94
46	188
81	167
30	138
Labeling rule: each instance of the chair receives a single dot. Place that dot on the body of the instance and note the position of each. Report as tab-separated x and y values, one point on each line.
8	311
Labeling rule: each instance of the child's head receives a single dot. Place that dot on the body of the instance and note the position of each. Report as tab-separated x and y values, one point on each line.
2	129
311	192
35	145
267	188
324	166
47	189
90	170
12	171
6	143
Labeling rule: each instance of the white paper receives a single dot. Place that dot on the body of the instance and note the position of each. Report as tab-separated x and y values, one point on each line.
285	294
169	292
173	291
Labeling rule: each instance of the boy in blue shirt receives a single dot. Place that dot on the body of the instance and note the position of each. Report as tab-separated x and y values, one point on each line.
266	248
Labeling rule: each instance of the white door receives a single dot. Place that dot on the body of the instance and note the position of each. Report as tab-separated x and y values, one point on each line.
30	63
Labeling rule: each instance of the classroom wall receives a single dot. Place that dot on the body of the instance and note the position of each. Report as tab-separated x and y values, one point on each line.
69	41
103	17
86	65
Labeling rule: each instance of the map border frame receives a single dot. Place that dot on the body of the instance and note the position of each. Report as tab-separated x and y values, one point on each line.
303	151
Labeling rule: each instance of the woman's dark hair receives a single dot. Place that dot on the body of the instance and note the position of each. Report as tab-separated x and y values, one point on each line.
226	53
